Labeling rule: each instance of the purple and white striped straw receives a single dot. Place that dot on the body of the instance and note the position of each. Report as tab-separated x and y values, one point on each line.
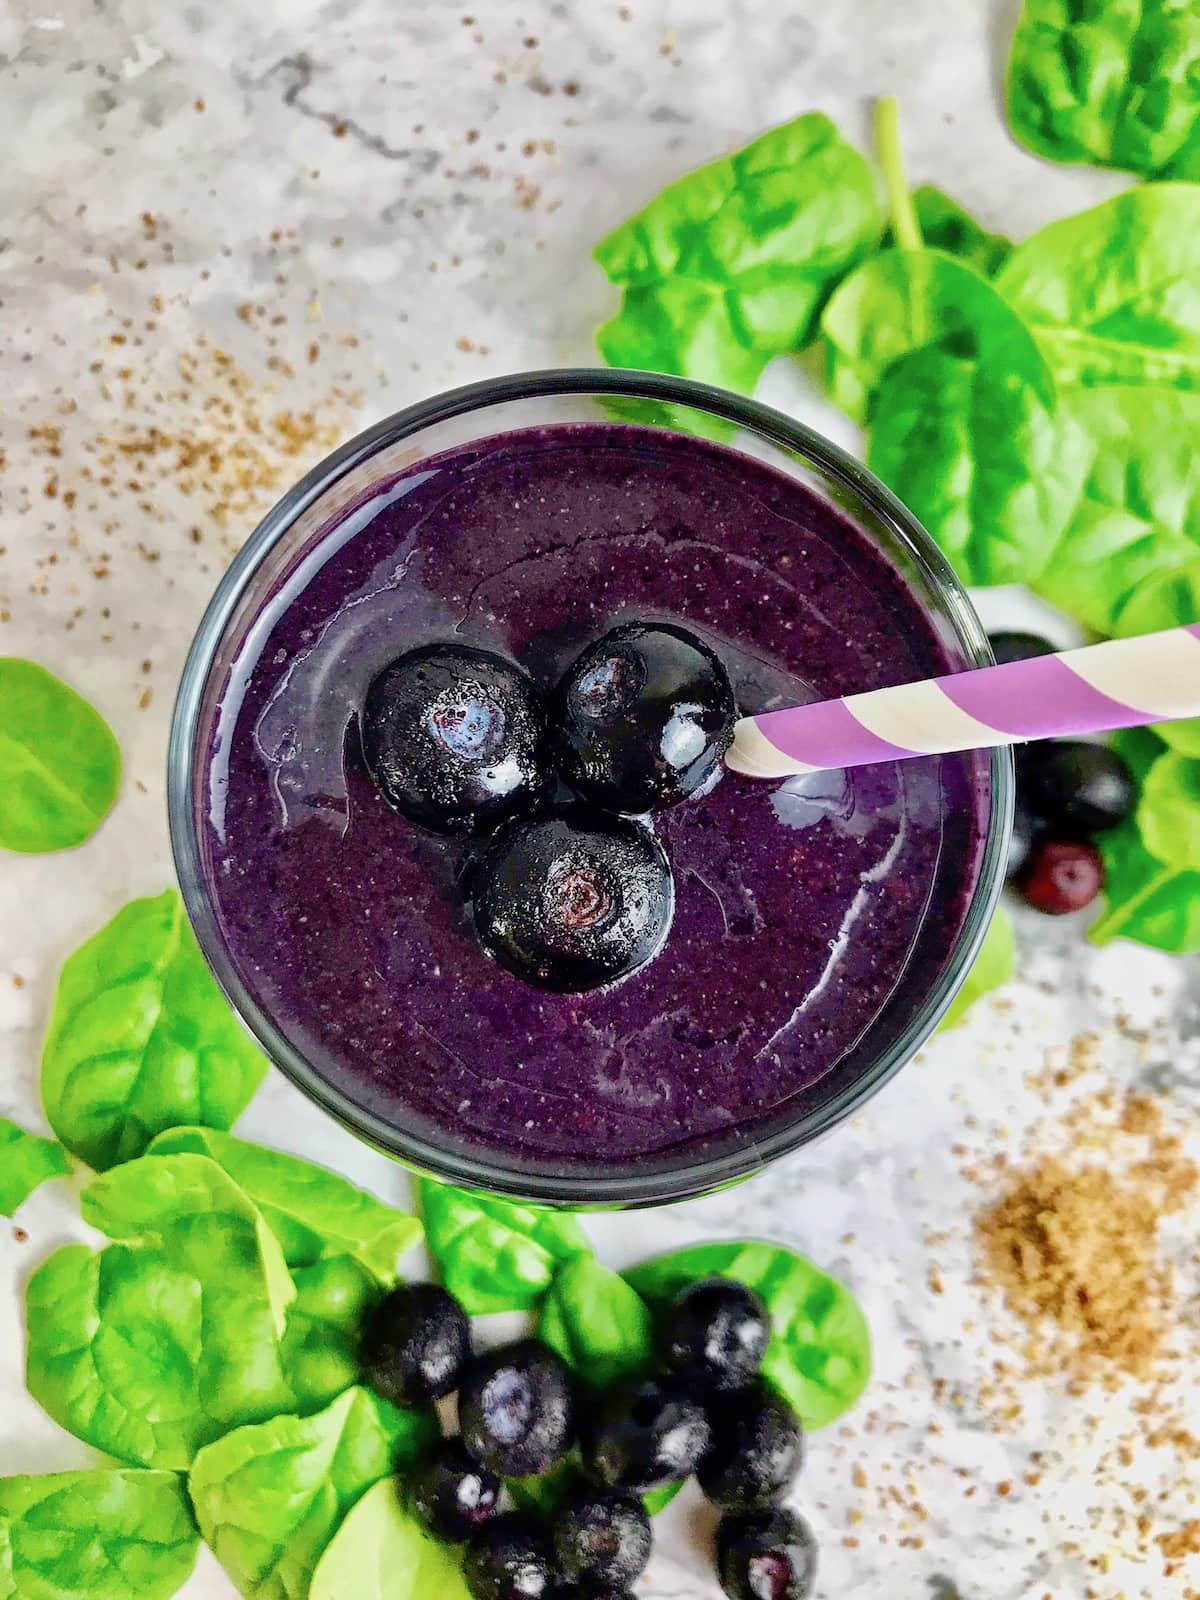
1122	683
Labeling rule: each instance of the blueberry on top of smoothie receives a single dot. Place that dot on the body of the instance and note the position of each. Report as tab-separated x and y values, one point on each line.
643	718
455	738
574	899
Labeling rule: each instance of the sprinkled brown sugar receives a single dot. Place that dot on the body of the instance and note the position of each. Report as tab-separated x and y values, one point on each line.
1078	1249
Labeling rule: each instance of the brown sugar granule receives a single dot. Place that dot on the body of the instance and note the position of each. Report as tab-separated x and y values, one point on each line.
1077	1250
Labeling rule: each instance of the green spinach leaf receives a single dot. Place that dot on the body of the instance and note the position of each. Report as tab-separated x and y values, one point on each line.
95	1536
1164	601
729	266
495	1255
600	1327
269	1498
1155	902
60	766
381	1552
991	471
1113	294
141	1038
947	227
908	300
1115	84
324	1326
1168	813
1144	899
26	1160
820	1352
1137	507
150	1350
314	1213
994	966
543	1495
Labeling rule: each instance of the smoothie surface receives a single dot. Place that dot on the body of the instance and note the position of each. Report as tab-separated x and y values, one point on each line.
802	908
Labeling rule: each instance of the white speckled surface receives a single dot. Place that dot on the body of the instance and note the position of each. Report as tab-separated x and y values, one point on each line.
444	182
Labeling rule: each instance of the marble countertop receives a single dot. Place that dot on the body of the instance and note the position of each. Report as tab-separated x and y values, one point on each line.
209	213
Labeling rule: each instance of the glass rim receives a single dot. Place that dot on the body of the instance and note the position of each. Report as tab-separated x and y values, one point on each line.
704	1173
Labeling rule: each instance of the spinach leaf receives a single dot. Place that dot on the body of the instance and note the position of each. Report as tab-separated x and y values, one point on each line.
974	452
324	1326
994	966
1144	899
1168	813
819	1356
60	766
495	1255
729	266
600	1327
1155	902
1164	601
141	1038
1115	84
314	1213
908	300
947	227
381	1552
95	1536
1137	510
150	1350
26	1160
1113	294
543	1495
269	1498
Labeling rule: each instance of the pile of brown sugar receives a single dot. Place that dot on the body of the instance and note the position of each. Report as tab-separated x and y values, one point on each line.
1073	1244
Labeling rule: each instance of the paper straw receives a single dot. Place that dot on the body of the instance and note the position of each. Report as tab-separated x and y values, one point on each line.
1122	683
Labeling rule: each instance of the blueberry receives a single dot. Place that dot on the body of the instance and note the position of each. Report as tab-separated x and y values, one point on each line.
766	1555
1062	875
415	1344
455	738
510	1558
716	1332
516	1409
602	1537
757	1450
1074	789
573	900
452	1494
646	1435
643	718
1024	834
1012	645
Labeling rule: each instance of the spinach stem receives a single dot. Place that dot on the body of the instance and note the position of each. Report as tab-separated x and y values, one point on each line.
905	227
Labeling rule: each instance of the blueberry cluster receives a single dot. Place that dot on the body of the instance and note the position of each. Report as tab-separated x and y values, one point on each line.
570	889
1068	790
707	1411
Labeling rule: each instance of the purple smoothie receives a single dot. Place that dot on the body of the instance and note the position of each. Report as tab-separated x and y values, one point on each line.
802	907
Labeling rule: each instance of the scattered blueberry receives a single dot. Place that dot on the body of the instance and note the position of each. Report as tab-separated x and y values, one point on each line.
452	1494
415	1344
1024	834
510	1558
455	738
1073	788
602	1537
573	900
643	718
516	1409
1062	875
1013	645
646	1435
757	1450
766	1555
716	1332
